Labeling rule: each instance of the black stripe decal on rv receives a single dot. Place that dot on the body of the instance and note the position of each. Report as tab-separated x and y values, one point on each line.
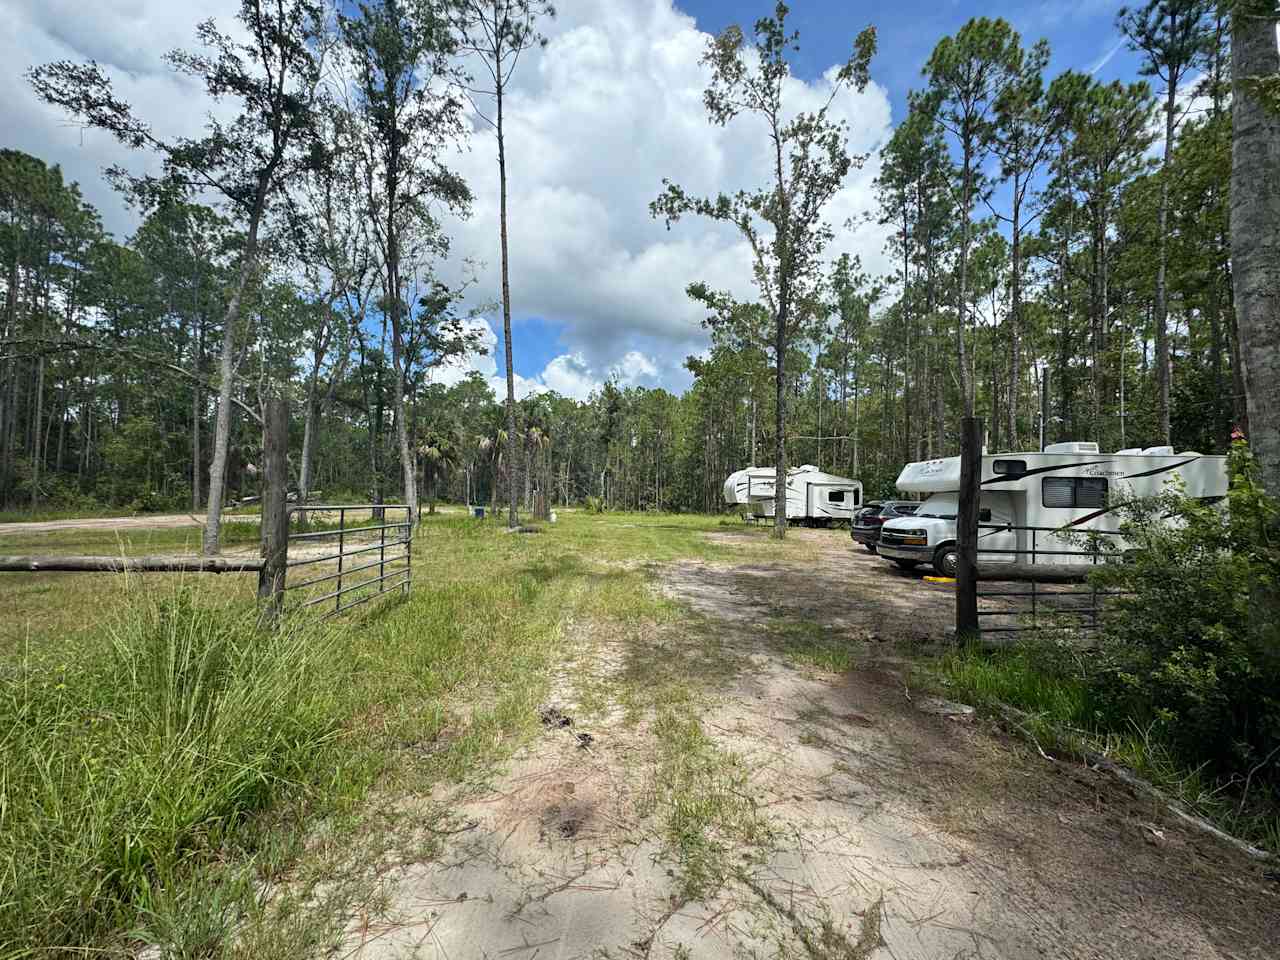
1010	477
1152	473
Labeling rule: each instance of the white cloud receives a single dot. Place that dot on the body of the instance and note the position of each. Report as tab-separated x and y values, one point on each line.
595	122
569	374
614	105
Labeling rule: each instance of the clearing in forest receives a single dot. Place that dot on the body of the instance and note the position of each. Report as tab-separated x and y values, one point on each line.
629	736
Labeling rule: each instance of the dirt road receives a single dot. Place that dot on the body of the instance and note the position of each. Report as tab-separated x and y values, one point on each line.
155	521
706	787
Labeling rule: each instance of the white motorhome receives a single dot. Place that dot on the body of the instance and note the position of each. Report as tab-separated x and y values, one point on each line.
1064	490
813	497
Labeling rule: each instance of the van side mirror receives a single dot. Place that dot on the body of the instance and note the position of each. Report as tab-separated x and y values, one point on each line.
984	515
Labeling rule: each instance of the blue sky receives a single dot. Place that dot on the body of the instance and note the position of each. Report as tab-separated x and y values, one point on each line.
1082	36
597	120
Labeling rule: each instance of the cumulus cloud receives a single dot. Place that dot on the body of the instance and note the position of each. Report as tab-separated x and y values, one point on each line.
612	106
568	374
596	120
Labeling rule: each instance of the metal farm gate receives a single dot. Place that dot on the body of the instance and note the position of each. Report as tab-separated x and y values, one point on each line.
391	571
1037	590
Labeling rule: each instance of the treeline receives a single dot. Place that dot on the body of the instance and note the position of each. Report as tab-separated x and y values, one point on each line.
1063	260
1062	264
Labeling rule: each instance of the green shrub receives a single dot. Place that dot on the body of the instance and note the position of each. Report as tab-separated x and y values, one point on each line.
1194	651
594	504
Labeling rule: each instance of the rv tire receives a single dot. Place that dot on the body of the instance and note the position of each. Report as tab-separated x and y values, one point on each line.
947	560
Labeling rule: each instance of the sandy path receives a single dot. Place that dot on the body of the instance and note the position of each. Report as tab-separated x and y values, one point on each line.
159	521
891	831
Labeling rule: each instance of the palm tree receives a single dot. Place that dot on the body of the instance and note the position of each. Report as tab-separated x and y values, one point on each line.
439	455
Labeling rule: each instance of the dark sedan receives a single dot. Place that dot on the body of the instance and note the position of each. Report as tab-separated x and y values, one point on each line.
866	525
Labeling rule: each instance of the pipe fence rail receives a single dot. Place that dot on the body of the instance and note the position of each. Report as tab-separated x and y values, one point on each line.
391	572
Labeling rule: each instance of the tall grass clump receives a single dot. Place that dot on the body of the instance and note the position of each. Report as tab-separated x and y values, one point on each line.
126	764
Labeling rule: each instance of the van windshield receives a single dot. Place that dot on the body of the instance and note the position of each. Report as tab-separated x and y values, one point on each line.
943	506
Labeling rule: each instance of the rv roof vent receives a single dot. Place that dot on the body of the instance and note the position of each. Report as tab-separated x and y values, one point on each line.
1158	452
1129	452
1073	447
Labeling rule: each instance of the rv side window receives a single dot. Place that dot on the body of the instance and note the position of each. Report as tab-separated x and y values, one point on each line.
835	496
1009	466
1091	492
1074	491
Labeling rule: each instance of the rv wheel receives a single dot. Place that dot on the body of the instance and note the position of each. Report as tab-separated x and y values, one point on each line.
947	560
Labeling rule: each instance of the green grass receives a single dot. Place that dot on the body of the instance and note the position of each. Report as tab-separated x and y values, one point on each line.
162	758
812	644
705	803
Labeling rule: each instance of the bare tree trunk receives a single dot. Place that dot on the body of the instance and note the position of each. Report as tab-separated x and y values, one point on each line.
1015	312
309	430
1255	229
512	517
962	303
402	438
780	422
226	370
1163	368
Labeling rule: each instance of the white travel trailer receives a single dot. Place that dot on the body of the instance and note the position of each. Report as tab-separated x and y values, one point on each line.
1066	489
813	497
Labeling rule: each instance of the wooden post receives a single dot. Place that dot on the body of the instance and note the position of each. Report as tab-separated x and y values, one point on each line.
971	431
275	510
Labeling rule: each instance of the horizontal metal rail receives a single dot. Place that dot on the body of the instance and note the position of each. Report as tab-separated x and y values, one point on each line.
322	507
346	553
346	531
350	570
363	583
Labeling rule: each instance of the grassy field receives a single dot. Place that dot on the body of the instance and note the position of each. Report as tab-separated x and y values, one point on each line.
165	761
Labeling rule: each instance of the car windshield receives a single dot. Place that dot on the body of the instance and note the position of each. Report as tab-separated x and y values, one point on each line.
906	509
941	507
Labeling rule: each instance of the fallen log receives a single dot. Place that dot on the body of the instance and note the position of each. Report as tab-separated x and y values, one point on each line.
152	564
1018	718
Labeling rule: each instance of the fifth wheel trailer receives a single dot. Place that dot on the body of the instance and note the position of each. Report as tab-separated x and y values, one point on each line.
813	497
1068	488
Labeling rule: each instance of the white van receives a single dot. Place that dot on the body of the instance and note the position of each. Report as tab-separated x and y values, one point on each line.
1059	491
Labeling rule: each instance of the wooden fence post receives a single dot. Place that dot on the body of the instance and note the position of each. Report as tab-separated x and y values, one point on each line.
971	432
275	515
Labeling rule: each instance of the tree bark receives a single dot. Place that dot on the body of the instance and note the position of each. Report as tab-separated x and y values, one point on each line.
513	519
222	429
1255	229
962	301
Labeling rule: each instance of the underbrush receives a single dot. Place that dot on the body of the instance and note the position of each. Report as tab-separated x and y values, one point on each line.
1182	681
1055	688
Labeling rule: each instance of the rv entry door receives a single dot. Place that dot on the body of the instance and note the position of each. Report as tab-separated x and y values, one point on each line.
997	539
